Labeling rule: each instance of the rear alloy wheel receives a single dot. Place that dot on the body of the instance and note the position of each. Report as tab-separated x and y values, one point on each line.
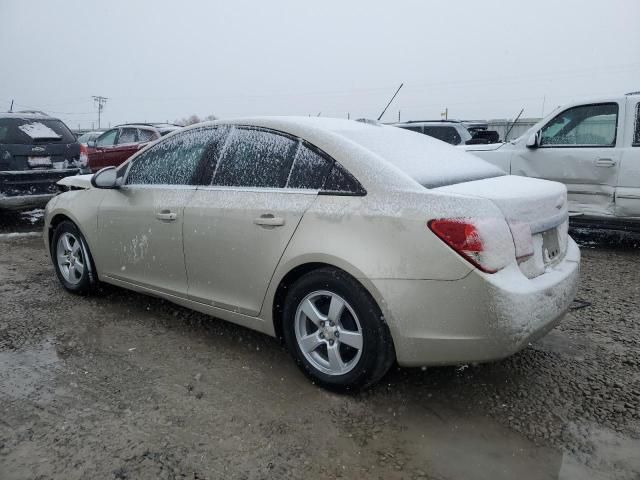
71	258
335	331
331	342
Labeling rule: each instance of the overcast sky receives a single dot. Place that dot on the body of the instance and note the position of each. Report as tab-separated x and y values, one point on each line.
163	60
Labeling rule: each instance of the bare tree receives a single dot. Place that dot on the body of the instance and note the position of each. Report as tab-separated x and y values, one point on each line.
194	119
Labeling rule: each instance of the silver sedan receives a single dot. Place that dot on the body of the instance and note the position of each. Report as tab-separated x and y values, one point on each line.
359	244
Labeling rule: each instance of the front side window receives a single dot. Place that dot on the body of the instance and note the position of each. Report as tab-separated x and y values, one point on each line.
446	134
309	170
636	135
586	125
107	138
174	161
255	158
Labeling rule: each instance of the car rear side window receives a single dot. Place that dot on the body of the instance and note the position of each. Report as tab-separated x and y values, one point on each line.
255	158
414	129
446	134
146	135
309	170
173	161
341	182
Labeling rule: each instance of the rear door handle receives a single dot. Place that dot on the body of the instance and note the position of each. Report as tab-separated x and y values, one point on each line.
166	216
269	220
605	162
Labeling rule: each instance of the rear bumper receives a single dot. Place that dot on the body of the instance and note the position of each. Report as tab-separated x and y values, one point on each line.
479	318
30	188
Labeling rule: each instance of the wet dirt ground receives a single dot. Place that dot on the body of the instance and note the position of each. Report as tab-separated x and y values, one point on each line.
123	386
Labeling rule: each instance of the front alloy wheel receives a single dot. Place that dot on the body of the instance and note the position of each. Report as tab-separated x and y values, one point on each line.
71	262
72	259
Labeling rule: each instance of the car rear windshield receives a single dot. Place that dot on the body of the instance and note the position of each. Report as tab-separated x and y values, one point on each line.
29	131
429	162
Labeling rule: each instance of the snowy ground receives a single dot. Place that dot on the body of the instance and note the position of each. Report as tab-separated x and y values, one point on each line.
120	385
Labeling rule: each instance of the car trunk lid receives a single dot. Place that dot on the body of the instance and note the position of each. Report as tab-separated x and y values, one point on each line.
530	206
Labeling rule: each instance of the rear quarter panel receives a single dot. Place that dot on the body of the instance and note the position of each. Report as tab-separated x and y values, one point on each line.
378	237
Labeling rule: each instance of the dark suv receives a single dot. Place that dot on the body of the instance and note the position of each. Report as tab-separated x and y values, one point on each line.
116	145
36	151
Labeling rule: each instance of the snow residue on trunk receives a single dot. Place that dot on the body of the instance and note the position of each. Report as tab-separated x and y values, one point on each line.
37	130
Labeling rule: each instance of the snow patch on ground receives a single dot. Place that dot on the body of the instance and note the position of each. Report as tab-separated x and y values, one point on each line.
12	235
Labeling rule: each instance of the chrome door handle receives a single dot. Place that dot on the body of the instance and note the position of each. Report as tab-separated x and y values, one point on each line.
268	220
605	162
166	216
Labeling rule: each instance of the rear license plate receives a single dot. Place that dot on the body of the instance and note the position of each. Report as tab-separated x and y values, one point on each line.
550	245
39	162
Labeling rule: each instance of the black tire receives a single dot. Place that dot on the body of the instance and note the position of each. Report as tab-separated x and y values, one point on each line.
377	353
87	281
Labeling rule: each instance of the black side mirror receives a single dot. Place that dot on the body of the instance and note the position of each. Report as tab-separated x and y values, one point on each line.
105	178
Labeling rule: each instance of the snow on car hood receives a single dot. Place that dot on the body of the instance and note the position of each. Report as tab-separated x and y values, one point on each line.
78	181
540	203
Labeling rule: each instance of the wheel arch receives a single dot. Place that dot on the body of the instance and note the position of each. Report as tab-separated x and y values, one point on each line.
295	271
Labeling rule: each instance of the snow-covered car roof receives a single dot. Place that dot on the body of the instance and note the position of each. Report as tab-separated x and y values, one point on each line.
379	155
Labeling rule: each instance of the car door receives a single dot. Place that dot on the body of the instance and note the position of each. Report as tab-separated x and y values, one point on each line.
104	143
140	224
578	148
236	229
628	190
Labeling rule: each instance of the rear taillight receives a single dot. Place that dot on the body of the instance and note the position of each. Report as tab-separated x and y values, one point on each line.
84	155
485	243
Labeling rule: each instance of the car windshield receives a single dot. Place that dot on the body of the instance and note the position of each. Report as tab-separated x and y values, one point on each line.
421	157
28	131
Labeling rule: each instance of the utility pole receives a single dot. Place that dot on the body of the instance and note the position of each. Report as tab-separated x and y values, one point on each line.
101	101
445	114
11	107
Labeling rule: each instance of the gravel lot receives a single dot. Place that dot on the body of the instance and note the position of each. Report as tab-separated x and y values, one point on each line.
123	386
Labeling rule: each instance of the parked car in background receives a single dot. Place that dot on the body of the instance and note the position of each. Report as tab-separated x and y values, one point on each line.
359	243
453	132
117	144
88	136
591	146
36	151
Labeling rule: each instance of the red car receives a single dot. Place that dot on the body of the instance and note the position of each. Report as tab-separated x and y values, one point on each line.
116	145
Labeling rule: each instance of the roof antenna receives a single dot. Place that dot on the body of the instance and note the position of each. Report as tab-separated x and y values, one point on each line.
513	125
394	96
